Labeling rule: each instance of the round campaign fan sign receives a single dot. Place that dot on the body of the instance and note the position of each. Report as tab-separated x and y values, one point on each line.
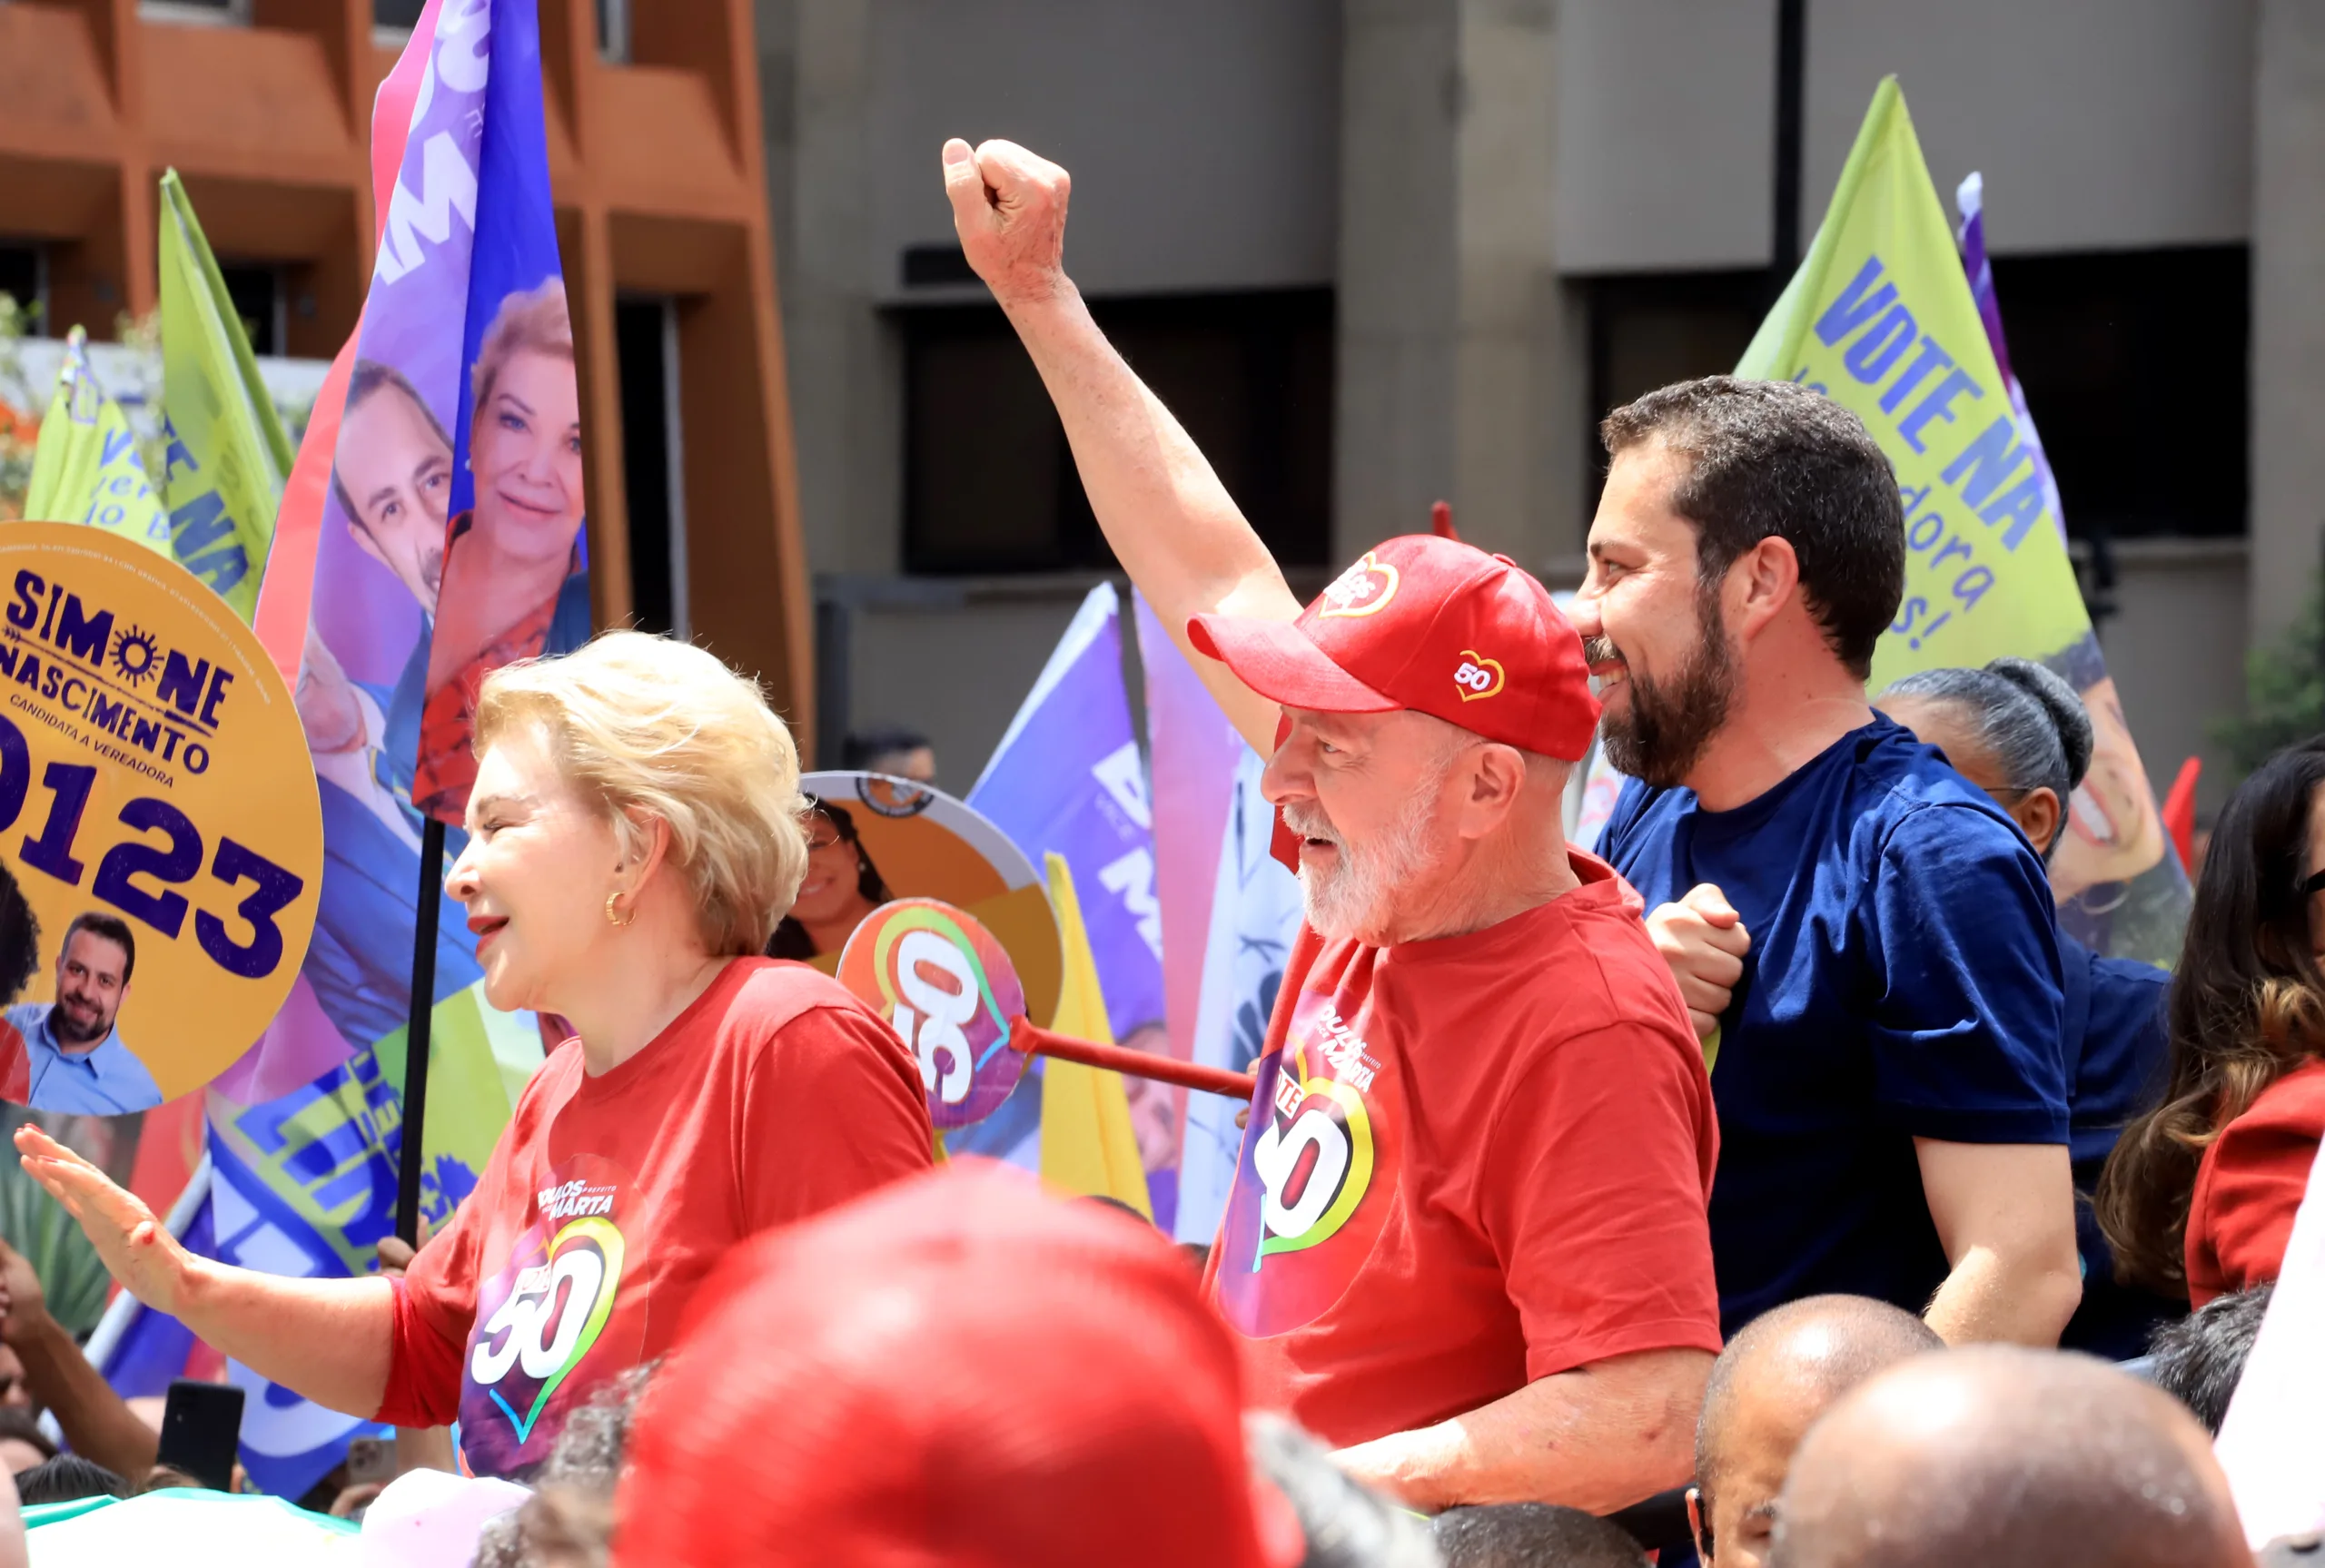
161	838
945	984
901	840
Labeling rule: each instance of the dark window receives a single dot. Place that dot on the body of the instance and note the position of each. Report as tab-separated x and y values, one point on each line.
256	291
2105	344
20	279
926	264
1650	330
2133	364
397	12
642	349
990	485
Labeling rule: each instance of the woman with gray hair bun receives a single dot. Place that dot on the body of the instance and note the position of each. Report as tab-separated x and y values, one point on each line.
2013	729
2020	733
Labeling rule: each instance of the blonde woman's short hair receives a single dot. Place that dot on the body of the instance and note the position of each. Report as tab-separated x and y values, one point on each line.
662	729
537	319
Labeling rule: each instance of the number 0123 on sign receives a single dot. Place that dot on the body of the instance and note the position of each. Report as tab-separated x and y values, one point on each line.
161	839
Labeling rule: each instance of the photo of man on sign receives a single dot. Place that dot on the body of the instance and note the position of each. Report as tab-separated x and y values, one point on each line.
74	1057
159	838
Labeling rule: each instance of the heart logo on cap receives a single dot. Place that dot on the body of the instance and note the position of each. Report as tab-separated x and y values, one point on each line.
1478	676
1362	589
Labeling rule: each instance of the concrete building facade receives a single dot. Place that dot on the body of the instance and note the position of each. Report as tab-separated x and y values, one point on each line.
1509	214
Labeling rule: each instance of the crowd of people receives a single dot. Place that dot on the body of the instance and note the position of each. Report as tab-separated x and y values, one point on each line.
1729	1187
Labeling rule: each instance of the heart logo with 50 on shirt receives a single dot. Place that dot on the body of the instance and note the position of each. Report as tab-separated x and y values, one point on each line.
553	1314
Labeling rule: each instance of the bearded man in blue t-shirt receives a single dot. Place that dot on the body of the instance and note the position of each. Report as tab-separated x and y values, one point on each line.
1865	940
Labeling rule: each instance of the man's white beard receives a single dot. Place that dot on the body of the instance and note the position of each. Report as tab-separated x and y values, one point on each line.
1358	898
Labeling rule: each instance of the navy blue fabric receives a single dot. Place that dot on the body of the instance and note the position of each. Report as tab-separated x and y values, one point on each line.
1904	981
2114	1034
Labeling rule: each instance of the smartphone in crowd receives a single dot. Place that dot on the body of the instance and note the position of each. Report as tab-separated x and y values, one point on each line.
201	1429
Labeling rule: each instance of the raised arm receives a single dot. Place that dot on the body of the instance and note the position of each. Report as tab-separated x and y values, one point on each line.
327	1339
96	1421
1171	522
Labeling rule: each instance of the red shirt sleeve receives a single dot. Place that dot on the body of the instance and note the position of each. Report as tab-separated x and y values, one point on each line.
1601	1224
16	1067
832	1108
435	1301
2250	1186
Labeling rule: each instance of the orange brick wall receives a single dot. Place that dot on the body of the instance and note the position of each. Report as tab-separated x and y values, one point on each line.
656	167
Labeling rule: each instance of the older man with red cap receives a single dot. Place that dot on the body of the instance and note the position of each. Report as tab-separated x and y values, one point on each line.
1467	1239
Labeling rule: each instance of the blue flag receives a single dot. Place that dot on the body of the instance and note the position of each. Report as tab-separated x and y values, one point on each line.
1067	779
449	547
302	1185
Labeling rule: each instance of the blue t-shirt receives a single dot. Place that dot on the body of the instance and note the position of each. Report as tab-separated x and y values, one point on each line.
1903	982
2115	1042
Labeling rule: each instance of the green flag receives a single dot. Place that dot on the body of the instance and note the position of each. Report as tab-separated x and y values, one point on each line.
85	466
227	454
1880	318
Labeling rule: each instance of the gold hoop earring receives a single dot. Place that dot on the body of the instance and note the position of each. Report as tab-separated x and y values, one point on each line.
614	916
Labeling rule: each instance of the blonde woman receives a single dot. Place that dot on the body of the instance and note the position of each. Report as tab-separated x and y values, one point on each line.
633	836
515	571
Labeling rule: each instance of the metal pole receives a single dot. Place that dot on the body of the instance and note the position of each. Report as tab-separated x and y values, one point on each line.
1792	63
421	1016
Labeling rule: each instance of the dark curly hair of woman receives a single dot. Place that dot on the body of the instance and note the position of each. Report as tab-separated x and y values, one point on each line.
2246	1006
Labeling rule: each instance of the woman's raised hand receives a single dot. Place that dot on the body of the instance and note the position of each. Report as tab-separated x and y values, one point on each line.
137	1249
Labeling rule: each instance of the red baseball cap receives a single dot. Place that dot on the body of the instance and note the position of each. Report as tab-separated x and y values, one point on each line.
956	1370
1431	625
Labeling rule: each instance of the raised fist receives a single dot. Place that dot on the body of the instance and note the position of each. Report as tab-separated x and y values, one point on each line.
1009	209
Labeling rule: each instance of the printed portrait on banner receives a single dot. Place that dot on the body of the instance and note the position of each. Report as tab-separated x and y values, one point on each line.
450	544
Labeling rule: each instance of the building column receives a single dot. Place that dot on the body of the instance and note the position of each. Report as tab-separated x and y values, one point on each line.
845	370
2288	364
1460	369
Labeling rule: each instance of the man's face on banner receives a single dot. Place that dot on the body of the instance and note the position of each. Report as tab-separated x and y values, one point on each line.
396	470
92	982
2113	832
526	451
1153	1106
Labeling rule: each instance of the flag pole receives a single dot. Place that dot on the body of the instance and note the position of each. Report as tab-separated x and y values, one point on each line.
416	1032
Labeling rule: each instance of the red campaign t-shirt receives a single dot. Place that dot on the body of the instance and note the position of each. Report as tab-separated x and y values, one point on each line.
776	1096
2250	1184
1471	1162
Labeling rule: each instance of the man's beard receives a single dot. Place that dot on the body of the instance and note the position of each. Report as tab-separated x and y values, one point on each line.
1358	899
1663	731
71	1031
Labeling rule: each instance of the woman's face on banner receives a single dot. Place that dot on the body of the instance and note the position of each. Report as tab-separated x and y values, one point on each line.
2113	832
526	451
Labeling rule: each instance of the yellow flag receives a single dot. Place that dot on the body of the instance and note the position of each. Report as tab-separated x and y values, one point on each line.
1087	1144
86	467
228	457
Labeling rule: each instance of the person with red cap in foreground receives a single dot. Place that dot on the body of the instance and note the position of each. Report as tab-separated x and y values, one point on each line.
956	1370
1467	1240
